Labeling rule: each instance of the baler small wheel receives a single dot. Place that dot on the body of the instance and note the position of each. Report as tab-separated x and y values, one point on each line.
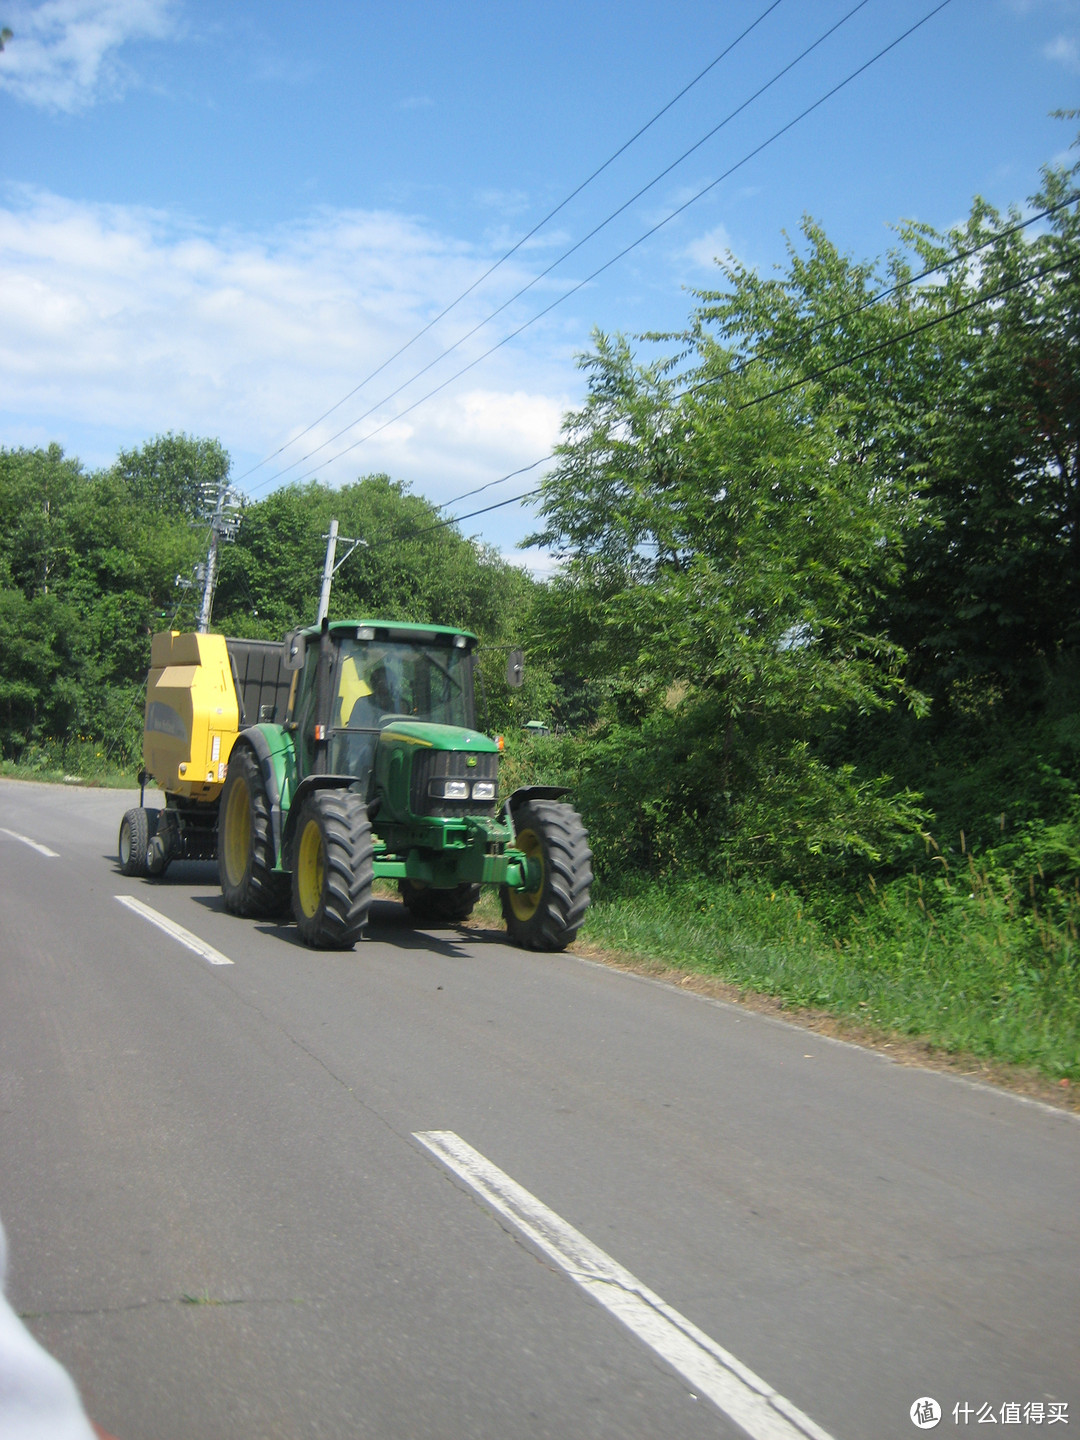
547	918
438	906
249	883
332	870
133	842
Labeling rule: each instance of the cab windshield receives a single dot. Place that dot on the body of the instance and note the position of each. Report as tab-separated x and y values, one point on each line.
401	680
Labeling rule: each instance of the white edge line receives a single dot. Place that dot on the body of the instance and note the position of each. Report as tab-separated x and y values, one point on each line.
200	947
711	1370
34	844
743	1012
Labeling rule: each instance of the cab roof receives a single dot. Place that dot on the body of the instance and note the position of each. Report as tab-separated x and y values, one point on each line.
391	630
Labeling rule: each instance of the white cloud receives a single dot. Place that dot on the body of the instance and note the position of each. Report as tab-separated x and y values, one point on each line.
704	250
506	202
63	54
121	323
1064	50
1030	7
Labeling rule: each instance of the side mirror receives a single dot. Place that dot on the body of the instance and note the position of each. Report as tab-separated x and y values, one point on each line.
515	669
294	650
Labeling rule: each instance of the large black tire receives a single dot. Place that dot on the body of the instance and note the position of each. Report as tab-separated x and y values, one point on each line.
549	917
249	883
332	869
133	842
438	906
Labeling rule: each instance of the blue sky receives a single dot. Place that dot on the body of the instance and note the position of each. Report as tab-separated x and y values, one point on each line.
220	218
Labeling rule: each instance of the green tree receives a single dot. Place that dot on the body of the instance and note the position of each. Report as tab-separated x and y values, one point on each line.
174	473
86	575
723	557
963	391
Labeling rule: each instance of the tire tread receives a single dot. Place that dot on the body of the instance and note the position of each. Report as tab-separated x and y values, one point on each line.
263	892
348	874
567	877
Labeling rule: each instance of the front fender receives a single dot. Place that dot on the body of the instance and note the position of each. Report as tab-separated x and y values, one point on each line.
532	792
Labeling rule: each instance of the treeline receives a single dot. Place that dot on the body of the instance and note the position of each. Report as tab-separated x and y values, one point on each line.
93	563
818	610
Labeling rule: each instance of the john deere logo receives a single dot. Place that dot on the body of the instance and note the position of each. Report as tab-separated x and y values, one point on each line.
471	761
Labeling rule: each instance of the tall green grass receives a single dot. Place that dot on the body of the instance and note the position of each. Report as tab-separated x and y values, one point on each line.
77	757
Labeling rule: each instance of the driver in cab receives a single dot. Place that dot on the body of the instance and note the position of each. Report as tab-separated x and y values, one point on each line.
365	699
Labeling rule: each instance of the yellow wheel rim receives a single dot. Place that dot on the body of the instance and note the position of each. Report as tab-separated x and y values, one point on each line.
237	846
310	867
525	903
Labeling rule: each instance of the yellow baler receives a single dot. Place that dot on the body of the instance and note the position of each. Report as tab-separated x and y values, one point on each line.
201	692
192	714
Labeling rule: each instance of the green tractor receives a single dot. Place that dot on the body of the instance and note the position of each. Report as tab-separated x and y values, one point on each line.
377	771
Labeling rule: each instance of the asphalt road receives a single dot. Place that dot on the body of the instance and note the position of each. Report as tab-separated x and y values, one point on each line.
222	1221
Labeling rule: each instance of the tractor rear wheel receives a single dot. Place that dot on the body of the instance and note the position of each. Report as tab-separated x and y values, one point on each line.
134	839
332	870
547	918
249	883
449	906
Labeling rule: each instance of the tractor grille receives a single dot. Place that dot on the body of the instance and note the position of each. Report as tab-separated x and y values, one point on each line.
440	765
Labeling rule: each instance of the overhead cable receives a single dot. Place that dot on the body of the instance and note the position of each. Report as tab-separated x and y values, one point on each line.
894	339
832	320
634	244
874	299
523	240
572	250
795	384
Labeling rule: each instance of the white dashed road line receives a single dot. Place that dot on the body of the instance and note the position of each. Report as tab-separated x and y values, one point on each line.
711	1371
200	947
34	844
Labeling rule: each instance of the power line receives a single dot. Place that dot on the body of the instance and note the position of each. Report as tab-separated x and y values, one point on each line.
635	243
833	320
779	391
564	256
805	380
513	474
881	295
457	519
894	339
524	238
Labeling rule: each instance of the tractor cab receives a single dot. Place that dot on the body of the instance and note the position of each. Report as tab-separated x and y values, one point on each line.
358	683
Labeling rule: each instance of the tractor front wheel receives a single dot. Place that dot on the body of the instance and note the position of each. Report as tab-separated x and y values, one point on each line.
249	883
438	906
332	870
552	836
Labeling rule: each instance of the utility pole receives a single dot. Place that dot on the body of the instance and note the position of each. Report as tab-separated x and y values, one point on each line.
330	569
224	527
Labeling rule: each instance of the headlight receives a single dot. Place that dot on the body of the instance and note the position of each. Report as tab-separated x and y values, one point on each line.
449	789
483	790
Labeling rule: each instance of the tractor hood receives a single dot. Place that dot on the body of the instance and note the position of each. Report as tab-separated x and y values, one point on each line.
424	769
435	737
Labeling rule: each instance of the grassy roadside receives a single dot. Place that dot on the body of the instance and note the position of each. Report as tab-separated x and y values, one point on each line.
82	769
